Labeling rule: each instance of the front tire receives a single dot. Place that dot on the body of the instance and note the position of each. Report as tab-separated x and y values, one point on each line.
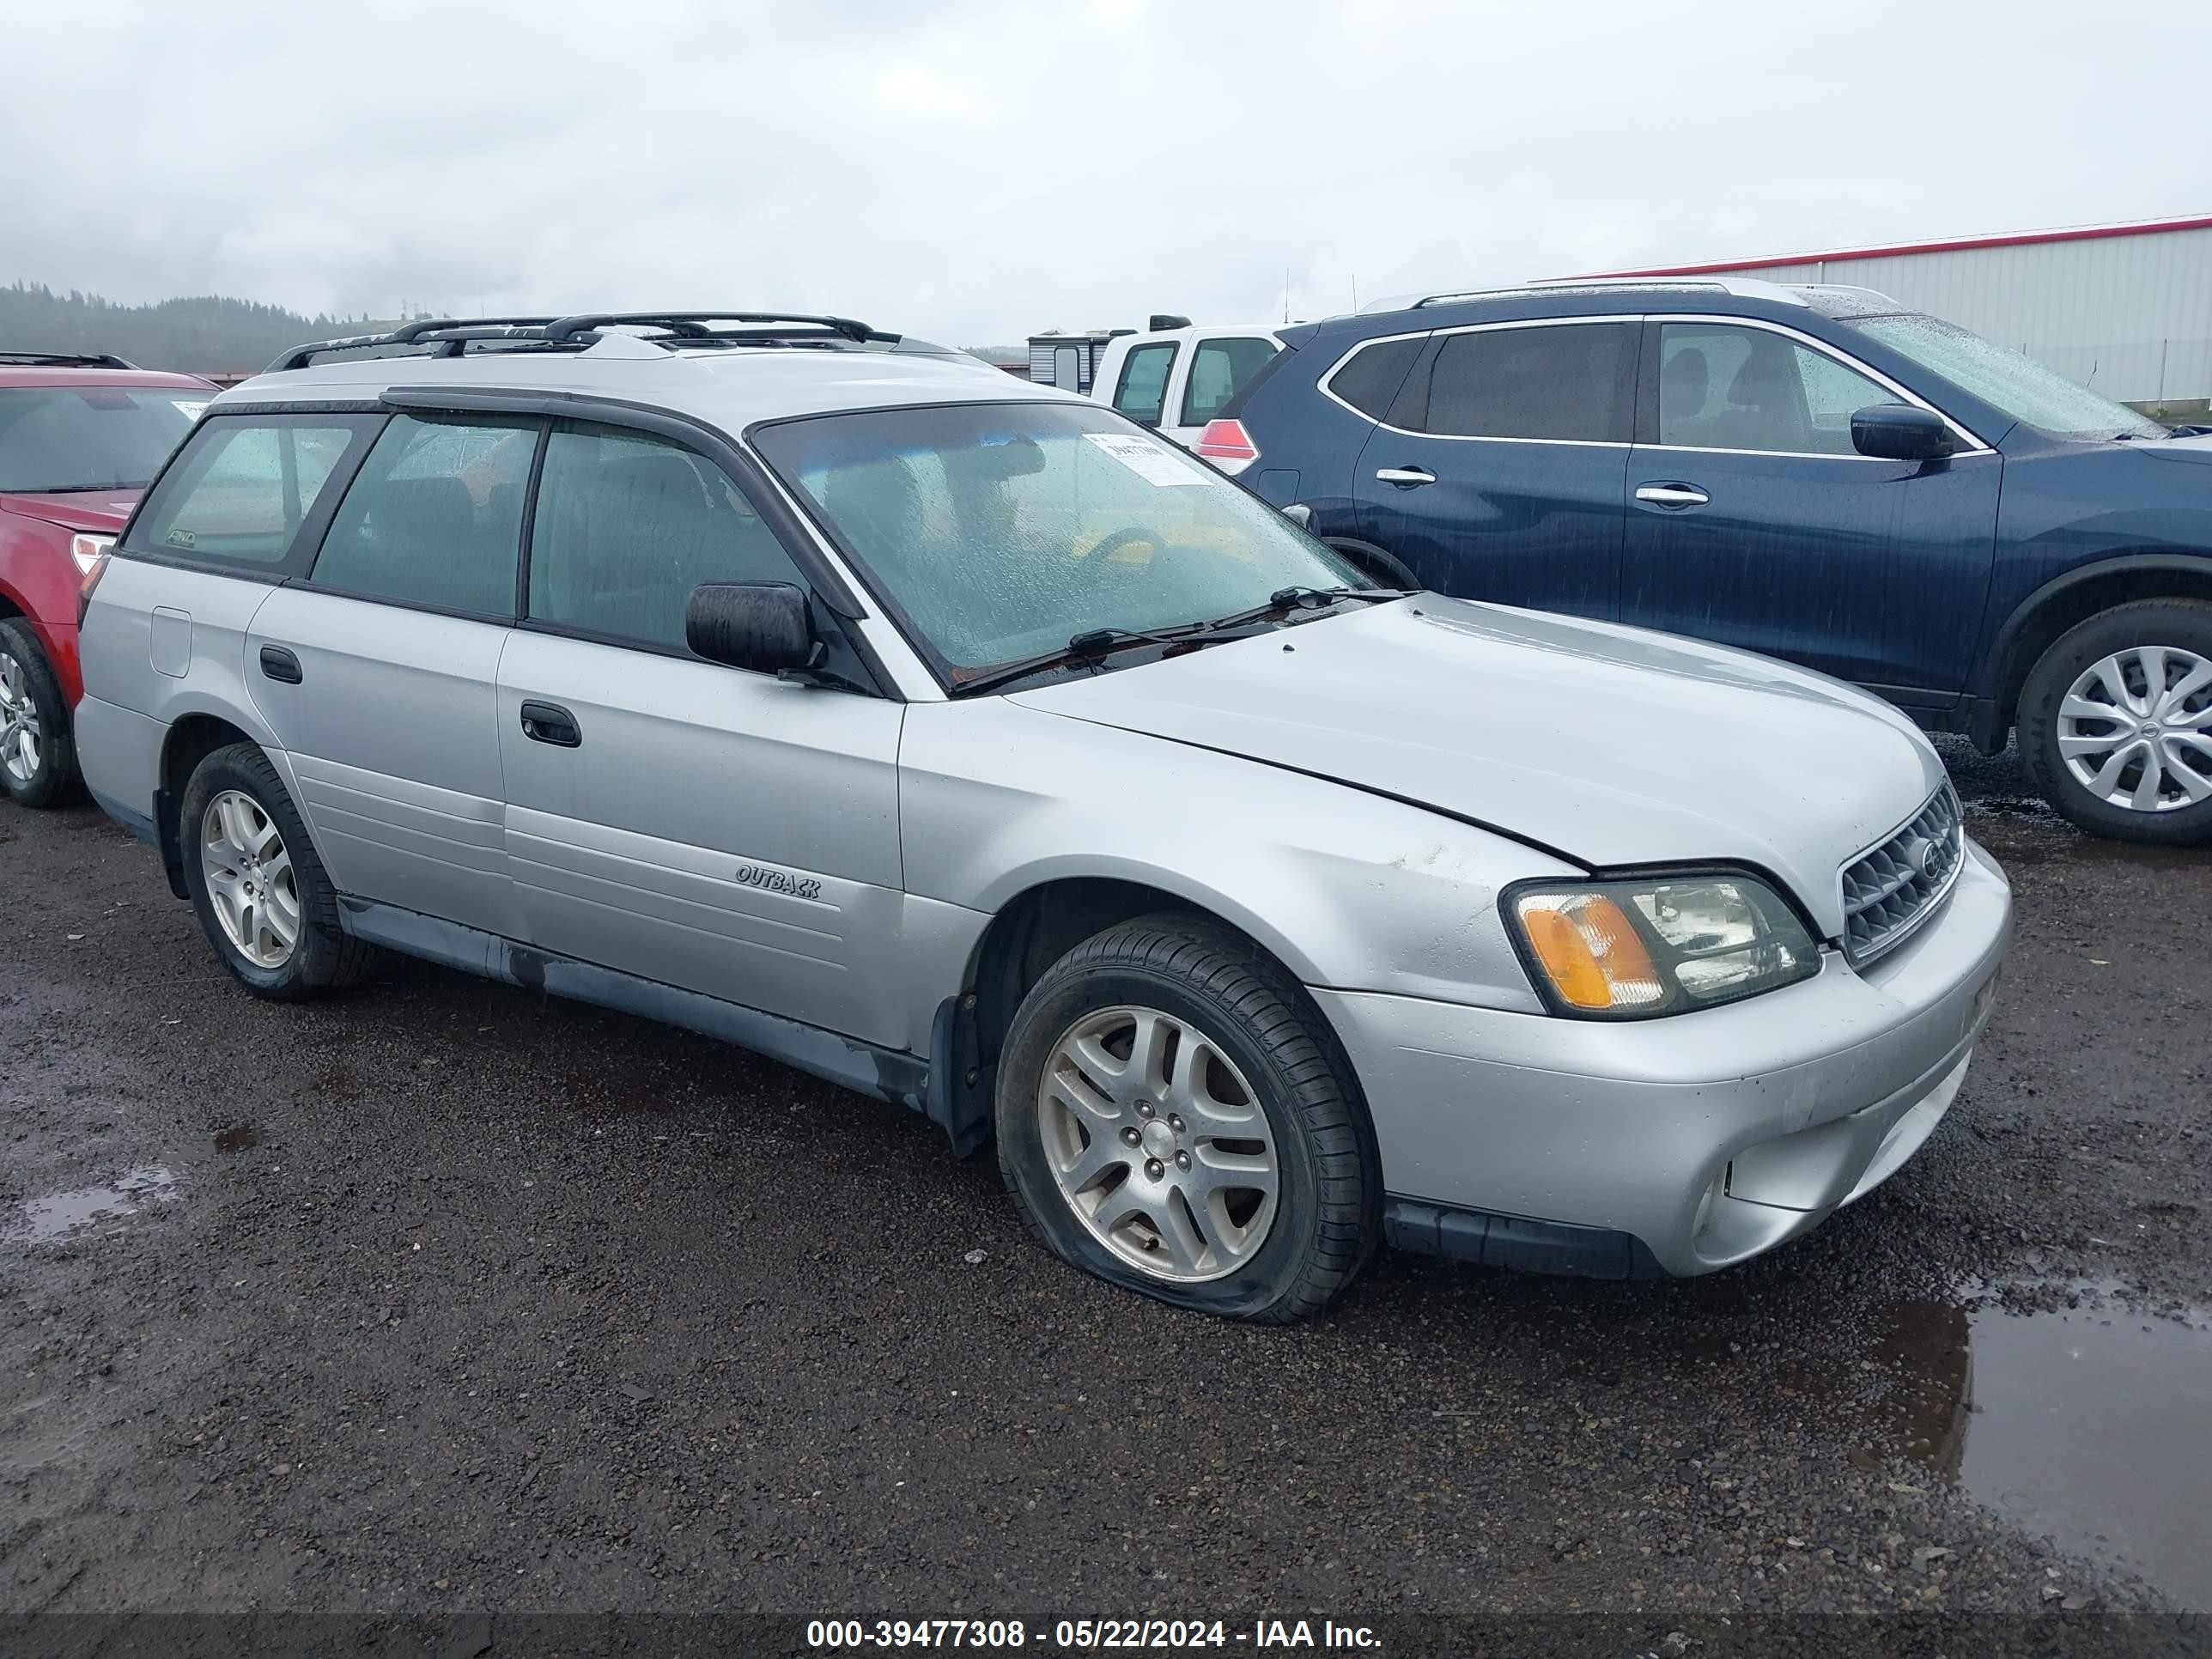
263	897
37	762
1175	1117
2115	723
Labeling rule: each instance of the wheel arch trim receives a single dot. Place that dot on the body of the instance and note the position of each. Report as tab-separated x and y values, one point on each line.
1998	681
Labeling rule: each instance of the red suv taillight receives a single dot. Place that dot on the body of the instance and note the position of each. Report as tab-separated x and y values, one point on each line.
1227	445
90	554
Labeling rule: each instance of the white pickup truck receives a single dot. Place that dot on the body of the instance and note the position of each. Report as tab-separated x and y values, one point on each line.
1175	377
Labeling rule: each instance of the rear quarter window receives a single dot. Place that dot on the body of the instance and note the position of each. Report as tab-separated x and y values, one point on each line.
1370	379
243	487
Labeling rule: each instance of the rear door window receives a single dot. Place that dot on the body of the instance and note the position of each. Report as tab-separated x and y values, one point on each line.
435	518
1142	391
1219	370
243	486
1572	382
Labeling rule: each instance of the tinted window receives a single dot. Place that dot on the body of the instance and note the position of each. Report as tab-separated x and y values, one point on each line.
1219	370
1370	379
243	485
628	526
100	437
1001	530
1144	388
1722	386
436	516
1568	381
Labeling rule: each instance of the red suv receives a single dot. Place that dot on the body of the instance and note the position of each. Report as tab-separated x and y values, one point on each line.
79	436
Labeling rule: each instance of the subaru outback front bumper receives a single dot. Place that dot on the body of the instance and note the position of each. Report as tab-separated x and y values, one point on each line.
1673	1145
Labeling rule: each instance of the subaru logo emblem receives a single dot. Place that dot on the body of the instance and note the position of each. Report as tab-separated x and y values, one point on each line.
1924	855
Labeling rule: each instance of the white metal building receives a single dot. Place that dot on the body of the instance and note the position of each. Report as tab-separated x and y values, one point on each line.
2125	309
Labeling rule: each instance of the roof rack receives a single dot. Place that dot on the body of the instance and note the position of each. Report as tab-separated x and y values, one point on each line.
1744	288
451	337
64	360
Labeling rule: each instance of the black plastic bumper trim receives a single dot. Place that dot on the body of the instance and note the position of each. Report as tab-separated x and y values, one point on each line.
1512	1241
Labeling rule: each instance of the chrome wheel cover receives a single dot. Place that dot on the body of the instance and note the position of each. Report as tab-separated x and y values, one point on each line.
2136	729
21	736
1158	1144
251	887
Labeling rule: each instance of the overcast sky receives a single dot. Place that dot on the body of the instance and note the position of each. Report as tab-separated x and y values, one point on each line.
975	172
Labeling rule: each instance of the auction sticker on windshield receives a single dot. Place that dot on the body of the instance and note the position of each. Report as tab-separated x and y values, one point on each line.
1146	459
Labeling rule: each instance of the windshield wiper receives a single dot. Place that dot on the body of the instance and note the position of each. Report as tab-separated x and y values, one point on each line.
1287	600
74	490
1092	647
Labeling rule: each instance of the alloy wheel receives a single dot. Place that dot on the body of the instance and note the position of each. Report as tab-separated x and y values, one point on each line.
20	735
1158	1144
2136	729
251	887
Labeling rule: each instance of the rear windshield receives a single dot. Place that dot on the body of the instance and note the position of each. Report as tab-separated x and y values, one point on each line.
55	438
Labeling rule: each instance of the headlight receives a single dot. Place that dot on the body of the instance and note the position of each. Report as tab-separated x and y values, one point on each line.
1628	950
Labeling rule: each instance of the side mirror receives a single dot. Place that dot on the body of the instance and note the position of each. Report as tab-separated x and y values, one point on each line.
761	626
1899	432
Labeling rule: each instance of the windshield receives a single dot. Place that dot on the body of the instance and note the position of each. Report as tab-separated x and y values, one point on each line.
93	437
1001	530
2018	386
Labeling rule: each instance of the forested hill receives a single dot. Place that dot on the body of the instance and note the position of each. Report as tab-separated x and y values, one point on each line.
209	335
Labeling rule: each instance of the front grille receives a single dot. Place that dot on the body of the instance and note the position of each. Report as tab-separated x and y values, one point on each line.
1893	887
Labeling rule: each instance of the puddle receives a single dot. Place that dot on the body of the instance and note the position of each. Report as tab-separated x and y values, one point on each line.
237	1139
2090	1425
57	1213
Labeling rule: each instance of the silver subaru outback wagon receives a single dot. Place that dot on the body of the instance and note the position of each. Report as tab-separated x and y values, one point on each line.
963	743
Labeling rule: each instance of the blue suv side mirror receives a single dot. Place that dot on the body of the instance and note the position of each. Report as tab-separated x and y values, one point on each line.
1899	432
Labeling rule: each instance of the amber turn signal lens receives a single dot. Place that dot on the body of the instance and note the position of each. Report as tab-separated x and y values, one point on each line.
1591	952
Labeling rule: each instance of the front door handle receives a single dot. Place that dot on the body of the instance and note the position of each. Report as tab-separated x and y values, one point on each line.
1406	478
1672	495
280	663
547	722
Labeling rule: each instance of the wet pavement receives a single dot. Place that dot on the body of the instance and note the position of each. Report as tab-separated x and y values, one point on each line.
441	1296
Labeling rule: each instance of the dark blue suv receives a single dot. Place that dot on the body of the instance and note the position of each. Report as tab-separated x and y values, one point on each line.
1812	472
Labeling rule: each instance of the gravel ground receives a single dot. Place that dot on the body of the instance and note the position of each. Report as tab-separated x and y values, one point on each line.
443	1296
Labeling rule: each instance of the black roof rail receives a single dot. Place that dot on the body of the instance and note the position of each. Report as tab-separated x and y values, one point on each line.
64	360
454	334
692	325
456	331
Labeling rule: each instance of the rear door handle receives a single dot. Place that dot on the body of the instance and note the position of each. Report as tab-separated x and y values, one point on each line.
280	663
1672	495
1406	478
547	722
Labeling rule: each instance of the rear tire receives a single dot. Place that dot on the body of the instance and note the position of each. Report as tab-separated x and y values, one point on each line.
1234	1170
37	761
2131	776
262	895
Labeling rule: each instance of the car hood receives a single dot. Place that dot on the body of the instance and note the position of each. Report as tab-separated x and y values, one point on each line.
2197	449
98	512
1611	745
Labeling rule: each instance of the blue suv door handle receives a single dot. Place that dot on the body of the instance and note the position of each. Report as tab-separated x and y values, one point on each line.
1406	478
1672	495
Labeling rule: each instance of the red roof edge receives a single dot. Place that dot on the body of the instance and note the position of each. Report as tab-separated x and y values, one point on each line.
2018	239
